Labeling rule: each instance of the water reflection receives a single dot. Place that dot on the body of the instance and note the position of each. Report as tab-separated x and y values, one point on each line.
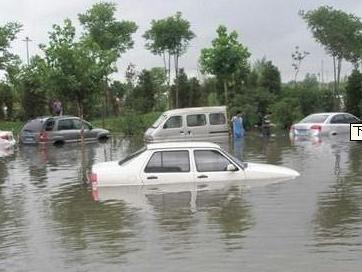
82	224
49	220
338	217
178	211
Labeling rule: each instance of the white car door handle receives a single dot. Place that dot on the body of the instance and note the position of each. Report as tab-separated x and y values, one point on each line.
202	176
152	177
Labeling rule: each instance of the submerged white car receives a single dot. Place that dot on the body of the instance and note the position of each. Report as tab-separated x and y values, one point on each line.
7	139
323	124
182	162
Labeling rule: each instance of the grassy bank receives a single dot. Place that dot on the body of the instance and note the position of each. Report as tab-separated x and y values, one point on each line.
129	124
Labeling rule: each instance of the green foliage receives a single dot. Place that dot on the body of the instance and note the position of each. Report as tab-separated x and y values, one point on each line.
354	93
270	78
74	69
131	123
286	111
7	35
142	97
226	58
103	29
171	35
33	94
337	31
190	92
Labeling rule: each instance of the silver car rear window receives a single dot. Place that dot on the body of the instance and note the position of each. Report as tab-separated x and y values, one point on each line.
315	118
33	125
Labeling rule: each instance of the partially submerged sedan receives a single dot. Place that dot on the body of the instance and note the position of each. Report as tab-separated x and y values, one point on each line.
323	124
182	162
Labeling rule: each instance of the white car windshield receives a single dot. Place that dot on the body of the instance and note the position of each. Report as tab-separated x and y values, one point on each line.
159	121
132	156
315	118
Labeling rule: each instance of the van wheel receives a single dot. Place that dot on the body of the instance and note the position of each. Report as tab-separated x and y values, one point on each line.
58	143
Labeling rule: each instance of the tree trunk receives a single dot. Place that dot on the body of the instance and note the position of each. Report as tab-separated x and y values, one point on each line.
176	75
226	91
169	81
339	68
335	82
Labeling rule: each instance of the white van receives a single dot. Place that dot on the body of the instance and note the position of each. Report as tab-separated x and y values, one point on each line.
200	123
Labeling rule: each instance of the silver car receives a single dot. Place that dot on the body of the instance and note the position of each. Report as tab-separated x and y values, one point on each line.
325	123
59	130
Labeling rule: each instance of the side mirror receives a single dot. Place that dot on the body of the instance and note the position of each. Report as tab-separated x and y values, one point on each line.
231	168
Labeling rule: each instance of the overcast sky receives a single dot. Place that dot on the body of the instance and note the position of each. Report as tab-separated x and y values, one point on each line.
270	28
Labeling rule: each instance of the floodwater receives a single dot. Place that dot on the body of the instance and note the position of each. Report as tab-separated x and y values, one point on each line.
51	220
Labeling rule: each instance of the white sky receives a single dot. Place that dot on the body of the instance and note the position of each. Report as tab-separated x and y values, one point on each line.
270	28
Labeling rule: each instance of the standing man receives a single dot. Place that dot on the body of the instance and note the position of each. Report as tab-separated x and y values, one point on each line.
238	125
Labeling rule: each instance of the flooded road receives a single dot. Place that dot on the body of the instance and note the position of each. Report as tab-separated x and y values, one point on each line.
50	220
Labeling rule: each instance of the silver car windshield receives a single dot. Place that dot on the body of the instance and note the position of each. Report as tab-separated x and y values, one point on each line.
159	121
315	118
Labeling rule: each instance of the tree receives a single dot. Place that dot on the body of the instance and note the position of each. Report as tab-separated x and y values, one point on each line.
354	93
298	56
108	35
169	38
7	35
75	70
103	29
225	57
142	98
159	79
270	78
339	33
33	93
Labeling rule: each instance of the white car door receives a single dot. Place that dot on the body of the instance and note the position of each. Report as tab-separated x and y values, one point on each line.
167	167
212	166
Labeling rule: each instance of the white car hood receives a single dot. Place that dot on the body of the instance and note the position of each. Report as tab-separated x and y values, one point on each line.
267	171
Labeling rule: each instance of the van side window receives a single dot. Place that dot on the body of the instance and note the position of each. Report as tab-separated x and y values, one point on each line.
217	118
196	120
168	162
173	122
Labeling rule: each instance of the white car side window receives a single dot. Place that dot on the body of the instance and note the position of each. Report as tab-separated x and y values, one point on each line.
210	161
168	162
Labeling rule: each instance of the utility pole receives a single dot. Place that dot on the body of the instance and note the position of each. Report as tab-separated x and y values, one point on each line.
27	40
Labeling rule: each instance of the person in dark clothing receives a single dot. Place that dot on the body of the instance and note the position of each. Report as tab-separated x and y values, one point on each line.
266	125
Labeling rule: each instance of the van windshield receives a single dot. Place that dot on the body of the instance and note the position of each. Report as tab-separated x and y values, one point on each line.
159	121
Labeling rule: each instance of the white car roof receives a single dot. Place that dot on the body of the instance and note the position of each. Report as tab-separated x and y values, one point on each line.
329	113
166	145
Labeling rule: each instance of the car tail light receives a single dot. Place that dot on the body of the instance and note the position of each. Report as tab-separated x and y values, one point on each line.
92	178
43	137
316	127
5	137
